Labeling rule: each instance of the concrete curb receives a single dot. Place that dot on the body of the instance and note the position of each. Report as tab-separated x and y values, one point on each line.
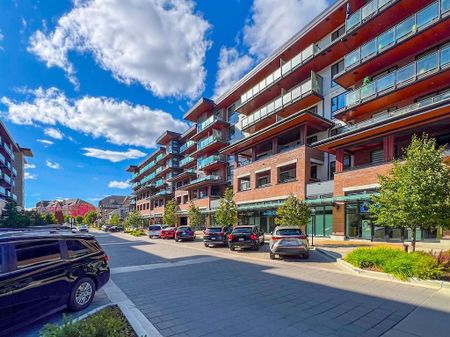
435	284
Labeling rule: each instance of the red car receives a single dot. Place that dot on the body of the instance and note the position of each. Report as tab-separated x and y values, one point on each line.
168	233
184	233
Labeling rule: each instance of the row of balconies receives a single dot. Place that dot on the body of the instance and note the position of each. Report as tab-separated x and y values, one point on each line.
365	13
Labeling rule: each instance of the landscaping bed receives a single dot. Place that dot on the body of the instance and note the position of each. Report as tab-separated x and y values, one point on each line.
107	322
402	265
136	232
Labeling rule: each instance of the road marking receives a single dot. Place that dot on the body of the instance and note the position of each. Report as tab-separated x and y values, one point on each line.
141	325
119	270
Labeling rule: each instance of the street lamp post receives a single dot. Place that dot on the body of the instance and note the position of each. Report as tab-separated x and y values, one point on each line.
313	225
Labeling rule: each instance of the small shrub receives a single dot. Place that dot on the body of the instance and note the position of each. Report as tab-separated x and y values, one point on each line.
397	262
108	322
136	232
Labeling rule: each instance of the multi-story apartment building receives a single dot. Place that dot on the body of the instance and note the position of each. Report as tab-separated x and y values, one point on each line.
12	173
109	204
323	116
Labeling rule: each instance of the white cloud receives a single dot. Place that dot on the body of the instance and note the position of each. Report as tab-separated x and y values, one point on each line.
113	156
46	142
53	165
29	166
160	44
119	122
231	67
53	133
119	184
273	23
30	176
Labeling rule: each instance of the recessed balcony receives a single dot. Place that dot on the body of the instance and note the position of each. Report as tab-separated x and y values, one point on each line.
188	147
211	162
298	98
428	74
212	122
426	28
210	144
206	180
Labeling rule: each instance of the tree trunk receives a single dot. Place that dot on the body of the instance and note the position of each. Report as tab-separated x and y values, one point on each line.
414	239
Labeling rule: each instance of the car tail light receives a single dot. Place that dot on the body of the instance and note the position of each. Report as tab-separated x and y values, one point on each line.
106	259
303	237
222	233
230	237
253	237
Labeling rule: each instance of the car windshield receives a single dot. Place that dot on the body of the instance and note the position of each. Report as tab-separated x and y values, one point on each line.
154	228
214	230
289	231
242	230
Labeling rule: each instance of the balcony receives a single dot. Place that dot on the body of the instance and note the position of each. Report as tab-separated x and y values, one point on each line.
160	183
188	145
211	143
393	115
413	33
14	172
299	97
403	83
186	161
211	162
214	121
189	173
365	13
205	180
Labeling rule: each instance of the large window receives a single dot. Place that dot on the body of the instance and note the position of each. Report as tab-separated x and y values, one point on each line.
244	183
338	33
336	69
287	173
40	251
263	179
337	102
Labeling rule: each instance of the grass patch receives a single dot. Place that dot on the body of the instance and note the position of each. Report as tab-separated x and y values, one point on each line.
397	262
108	322
136	232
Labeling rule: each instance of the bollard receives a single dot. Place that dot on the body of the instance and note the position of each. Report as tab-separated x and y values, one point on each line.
405	247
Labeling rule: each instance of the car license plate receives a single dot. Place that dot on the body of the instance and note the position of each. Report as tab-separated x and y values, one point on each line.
241	239
213	238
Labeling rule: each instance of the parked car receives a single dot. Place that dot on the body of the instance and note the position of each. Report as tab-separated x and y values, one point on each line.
116	229
168	233
84	228
288	241
106	228
246	237
216	236
154	231
184	233
42	272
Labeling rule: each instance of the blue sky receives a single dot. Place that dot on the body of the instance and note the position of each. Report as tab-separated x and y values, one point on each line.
89	85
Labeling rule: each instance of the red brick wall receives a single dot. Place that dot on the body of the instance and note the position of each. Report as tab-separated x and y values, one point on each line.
301	154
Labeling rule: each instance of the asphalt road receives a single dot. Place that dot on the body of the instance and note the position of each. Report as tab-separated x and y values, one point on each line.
185	289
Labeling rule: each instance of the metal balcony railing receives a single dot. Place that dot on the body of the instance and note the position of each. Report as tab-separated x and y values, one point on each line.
210	160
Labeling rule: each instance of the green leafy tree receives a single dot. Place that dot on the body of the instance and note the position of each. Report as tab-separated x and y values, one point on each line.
170	213
36	219
416	194
66	218
114	220
50	219
90	217
196	219
293	212
226	214
79	219
12	218
134	220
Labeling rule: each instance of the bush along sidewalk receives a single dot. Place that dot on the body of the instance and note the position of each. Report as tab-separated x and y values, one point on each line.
108	322
403	265
136	232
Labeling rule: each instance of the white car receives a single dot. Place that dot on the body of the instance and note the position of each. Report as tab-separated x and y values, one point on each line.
154	231
84	228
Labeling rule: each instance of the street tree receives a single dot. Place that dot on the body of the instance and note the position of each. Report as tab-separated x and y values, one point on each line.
79	219
114	219
12	217
196	219
134	220
90	217
50	219
66	218
416	193
170	216
293	212
226	214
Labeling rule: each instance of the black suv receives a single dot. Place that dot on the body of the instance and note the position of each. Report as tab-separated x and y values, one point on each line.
216	236
246	237
42	272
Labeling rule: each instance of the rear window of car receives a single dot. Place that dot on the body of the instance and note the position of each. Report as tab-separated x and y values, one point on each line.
39	251
183	229
214	230
154	228
289	231
242	230
77	248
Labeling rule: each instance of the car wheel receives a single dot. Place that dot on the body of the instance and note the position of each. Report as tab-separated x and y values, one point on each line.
232	248
306	255
206	245
82	294
272	256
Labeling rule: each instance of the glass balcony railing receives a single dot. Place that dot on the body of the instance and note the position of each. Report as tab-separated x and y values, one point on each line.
365	13
210	177
393	36
164	192
445	96
210	120
14	171
159	183
7	178
313	85
210	140
187	145
14	197
210	160
185	161
2	190
424	66
2	159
